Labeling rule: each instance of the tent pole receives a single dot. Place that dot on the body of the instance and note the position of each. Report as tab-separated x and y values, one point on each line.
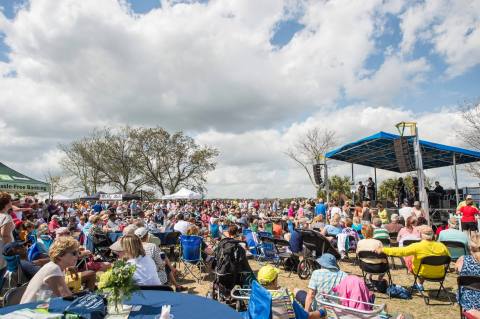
375	176
455	177
353	186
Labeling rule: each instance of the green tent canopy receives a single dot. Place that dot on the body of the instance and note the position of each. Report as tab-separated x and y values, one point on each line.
12	181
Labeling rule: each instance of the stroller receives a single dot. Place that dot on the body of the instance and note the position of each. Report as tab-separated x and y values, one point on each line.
315	245
231	269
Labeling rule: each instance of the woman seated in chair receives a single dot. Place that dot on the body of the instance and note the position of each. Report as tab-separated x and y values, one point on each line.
145	268
268	278
331	231
63	254
43	240
370	244
206	251
469	265
425	248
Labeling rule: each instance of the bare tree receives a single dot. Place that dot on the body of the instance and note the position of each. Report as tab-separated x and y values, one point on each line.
85	177
170	161
470	132
310	148
57	183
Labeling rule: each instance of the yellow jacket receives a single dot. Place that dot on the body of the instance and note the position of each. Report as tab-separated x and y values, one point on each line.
420	250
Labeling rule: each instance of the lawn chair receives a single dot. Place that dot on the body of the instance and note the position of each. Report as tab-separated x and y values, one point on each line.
13	276
467	282
456	249
433	261
408	242
14	295
261	305
382	268
267	252
191	255
335	308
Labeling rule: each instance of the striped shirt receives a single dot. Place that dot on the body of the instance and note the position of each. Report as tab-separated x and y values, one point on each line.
379	233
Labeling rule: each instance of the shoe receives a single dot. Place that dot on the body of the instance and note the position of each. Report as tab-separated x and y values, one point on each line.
418	287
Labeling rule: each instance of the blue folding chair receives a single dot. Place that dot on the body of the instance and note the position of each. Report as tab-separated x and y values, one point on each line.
260	304
13	275
214	231
267	251
191	255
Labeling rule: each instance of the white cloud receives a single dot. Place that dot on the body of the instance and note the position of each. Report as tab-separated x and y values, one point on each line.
451	26
210	69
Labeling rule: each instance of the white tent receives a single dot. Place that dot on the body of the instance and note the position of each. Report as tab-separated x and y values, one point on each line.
62	198
183	194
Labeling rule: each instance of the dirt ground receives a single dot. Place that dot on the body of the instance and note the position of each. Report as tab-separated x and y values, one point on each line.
415	307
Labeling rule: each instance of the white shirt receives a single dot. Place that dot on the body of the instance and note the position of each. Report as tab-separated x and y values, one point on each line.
182	226
39	281
405	212
145	272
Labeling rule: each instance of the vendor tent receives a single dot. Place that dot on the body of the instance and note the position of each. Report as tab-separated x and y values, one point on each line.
12	181
62	198
183	194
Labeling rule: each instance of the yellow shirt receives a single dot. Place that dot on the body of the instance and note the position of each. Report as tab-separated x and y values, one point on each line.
420	250
383	216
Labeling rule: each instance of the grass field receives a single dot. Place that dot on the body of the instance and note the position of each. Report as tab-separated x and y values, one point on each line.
415	307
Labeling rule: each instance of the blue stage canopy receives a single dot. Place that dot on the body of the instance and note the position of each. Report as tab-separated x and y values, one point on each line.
378	151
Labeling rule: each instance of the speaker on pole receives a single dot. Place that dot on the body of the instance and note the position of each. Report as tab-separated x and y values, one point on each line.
317	173
404	156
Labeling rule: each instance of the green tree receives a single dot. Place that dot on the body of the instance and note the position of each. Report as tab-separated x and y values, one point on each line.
339	187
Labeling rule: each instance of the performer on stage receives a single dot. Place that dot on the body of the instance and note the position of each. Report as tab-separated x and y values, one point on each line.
401	193
371	189
361	191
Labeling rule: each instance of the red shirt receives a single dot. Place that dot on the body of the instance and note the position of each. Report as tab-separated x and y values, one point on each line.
468	213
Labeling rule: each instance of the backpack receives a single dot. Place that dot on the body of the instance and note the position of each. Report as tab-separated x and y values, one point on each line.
89	306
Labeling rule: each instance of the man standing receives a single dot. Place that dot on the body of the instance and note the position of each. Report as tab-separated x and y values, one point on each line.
321	208
371	189
401	194
361	191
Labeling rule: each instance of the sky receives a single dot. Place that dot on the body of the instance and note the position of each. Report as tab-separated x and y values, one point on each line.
246	77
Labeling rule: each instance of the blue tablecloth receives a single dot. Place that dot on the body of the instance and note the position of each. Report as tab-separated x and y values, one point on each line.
114	236
184	306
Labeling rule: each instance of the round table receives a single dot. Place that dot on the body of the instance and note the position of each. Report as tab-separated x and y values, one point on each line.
184	306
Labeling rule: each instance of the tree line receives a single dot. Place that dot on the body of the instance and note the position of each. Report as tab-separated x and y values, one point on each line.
130	159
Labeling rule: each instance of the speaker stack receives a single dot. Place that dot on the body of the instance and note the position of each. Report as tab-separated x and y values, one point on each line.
404	154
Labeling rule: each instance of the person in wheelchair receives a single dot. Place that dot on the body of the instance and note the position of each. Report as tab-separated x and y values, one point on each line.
268	277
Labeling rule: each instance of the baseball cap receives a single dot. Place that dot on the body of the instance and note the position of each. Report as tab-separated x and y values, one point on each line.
469	197
267	274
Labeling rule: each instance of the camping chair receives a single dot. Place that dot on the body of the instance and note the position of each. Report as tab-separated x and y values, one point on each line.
3	271
267	251
268	227
335	308
382	268
408	242
13	274
433	261
171	243
214	231
456	249
191	255
14	295
251	239
467	282
261	305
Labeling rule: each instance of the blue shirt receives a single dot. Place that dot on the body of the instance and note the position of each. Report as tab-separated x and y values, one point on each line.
320	208
296	242
332	230
97	208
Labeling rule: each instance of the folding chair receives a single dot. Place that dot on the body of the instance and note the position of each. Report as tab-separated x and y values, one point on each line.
433	261
14	295
408	242
171	243
191	255
13	275
382	268
267	251
456	249
269	228
467	282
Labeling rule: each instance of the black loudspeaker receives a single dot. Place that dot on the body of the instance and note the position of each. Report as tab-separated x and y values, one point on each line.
317	173
404	154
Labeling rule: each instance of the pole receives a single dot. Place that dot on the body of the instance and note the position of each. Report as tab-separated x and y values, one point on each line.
327	183
352	189
455	178
375	176
421	178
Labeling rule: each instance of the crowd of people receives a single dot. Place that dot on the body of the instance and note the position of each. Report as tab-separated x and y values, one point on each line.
51	238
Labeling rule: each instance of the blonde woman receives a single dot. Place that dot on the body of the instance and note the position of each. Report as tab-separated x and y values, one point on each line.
133	252
51	277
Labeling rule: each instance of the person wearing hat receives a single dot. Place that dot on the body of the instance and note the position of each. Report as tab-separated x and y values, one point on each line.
425	248
464	202
418	211
322	281
469	214
268	277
